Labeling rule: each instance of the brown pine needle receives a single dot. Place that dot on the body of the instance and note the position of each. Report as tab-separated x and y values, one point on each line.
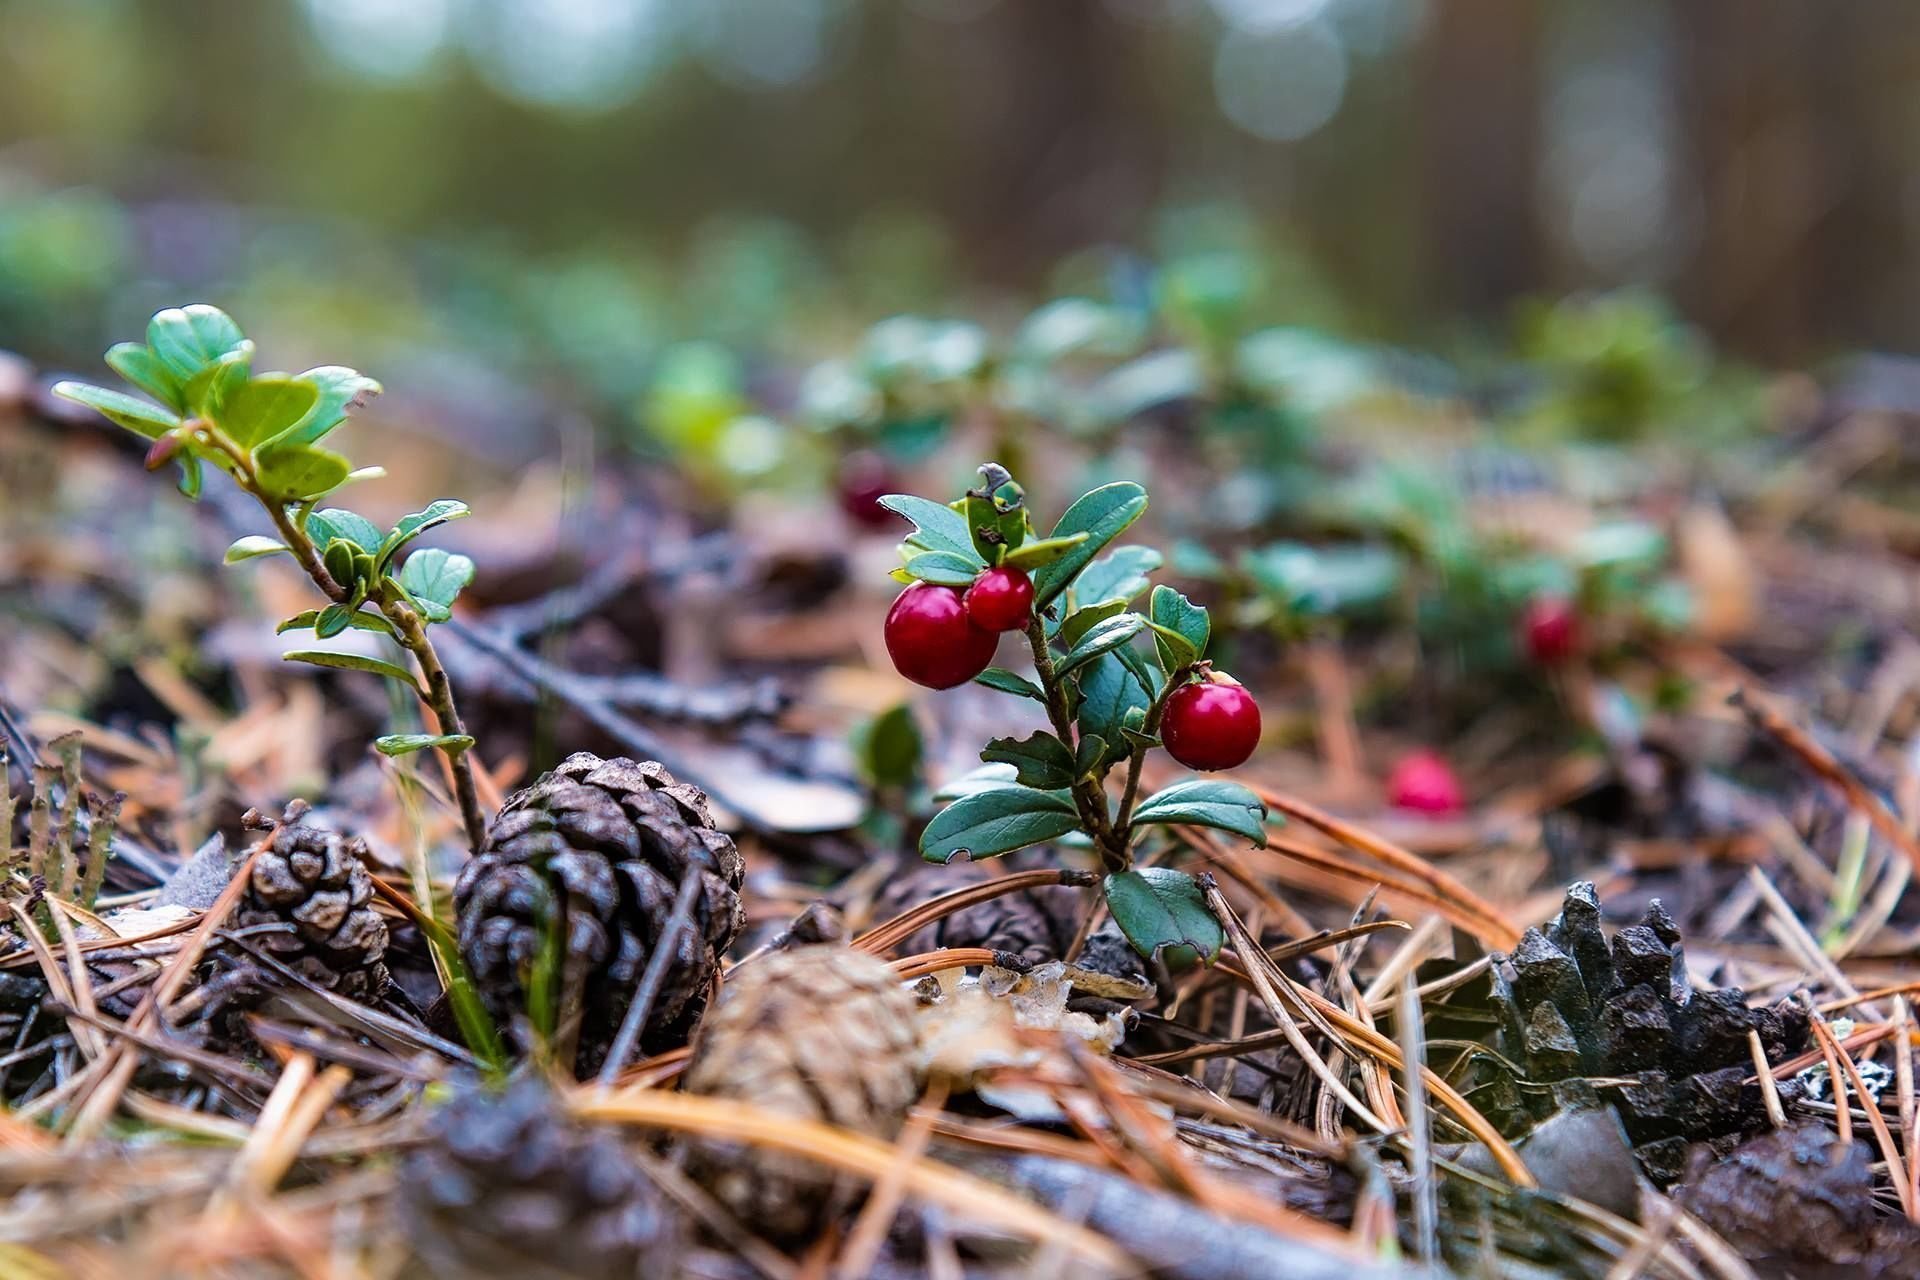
853	1153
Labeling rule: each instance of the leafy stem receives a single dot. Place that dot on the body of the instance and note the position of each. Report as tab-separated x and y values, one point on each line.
1089	797
1123	822
408	627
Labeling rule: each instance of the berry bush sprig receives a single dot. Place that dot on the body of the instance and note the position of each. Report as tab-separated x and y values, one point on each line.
976	569
264	430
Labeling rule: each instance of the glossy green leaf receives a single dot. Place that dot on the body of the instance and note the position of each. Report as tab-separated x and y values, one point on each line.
262	407
943	568
191	477
1180	628
1090	756
355	662
989	823
208	391
359	620
1080	621
1010	682
1102	638
1103	515
338	391
936	528
1109	695
131	412
337	557
434	575
1208	802
136	362
1044	551
187	339
253	546
300	474
1041	761
337	522
1160	909
333	619
400	744
411	527
1121	574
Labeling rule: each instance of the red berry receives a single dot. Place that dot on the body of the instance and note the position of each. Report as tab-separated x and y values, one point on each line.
1424	783
1210	725
931	640
1550	630
1001	599
863	480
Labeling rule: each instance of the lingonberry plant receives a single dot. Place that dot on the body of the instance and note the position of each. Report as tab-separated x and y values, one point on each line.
976	568
264	430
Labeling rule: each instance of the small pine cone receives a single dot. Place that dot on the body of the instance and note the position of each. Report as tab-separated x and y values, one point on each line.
317	881
507	1184
1576	1004
818	1033
599	849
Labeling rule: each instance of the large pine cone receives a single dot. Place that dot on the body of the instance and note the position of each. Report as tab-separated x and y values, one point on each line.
1575	1006
316	880
593	854
818	1033
507	1184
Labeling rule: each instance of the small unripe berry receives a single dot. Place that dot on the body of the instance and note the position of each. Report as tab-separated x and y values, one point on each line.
931	640
1000	599
1550	630
1210	725
1424	783
865	478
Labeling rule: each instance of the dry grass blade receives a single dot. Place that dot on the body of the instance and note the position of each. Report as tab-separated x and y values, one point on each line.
1504	934
1882	1136
853	1153
1413	1050
117	1065
884	937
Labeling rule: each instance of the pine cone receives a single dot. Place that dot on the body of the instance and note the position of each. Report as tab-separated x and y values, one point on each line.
1575	1006
317	881
818	1033
597	850
1035	924
507	1184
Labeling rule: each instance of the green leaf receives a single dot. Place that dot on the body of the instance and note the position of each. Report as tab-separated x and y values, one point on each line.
1102	515
355	662
1159	908
333	619
1081	621
1121	574
253	546
401	744
136	415
888	748
261	408
411	527
338	391
936	528
1045	551
1103	638
1010	682
1109	695
1181	628
1208	802
1041	761
190	475
336	522
989	823
187	339
136	362
208	391
337	557
944	568
435	575
359	620
1090	756
983	526
300	474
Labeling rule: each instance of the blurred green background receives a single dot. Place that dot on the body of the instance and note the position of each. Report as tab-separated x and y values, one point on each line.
648	169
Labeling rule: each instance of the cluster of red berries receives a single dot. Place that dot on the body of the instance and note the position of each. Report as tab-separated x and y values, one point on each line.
940	637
